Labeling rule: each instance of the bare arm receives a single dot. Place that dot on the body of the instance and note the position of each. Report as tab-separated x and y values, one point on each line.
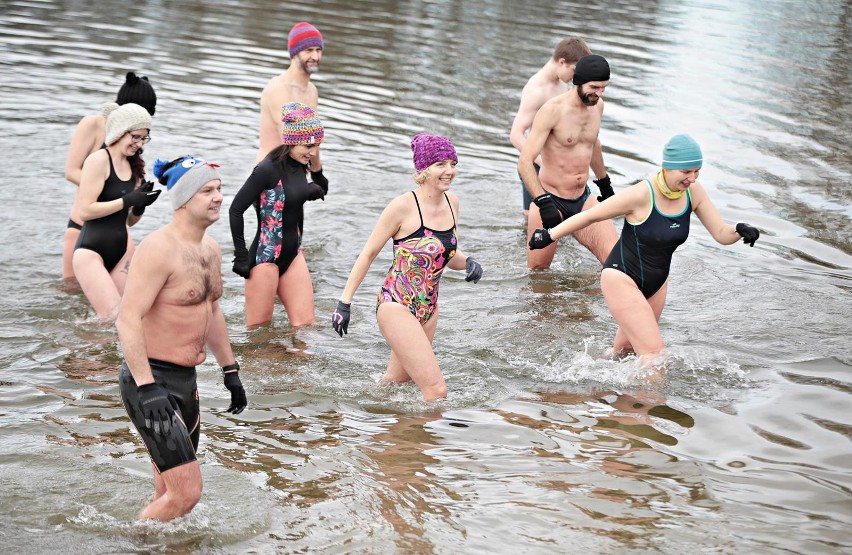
725	234
217	333
83	143
270	123
632	202
387	226
543	123
148	274
597	162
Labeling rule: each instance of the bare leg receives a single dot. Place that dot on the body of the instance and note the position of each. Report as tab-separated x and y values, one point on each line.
119	273
636	317
412	357
96	283
600	237
539	259
69	241
182	492
261	288
297	292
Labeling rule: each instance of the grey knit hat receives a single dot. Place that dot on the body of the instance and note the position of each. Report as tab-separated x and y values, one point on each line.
123	119
184	176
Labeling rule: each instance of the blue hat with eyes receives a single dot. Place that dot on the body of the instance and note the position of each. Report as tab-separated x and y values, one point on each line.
682	153
184	176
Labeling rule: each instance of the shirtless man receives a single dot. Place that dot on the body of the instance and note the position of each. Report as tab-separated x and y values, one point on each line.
294	85
550	81
565	134
168	316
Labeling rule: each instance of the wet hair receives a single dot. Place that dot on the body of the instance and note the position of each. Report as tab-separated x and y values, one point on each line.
571	50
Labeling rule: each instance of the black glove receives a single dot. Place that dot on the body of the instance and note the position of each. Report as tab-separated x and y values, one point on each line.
157	406
605	187
473	269
235	386
748	233
321	180
147	186
550	216
540	239
315	192
141	197
340	318
241	265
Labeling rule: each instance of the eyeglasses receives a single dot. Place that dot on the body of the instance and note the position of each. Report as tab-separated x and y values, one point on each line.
140	138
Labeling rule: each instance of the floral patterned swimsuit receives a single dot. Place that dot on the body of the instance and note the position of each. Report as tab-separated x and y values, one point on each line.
419	260
278	196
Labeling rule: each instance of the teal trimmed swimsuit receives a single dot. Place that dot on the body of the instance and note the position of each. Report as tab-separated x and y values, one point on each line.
644	250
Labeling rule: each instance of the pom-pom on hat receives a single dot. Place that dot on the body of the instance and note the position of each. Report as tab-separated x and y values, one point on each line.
184	176
137	90
591	68
300	125
682	153
428	149
124	119
303	35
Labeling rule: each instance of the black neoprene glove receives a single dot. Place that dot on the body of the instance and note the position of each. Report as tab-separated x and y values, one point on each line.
321	180
315	192
549	213
473	269
235	386
241	265
605	187
540	239
340	318
141	198
147	186
749	233
157	407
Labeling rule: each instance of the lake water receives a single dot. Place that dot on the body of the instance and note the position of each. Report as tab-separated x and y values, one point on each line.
542	446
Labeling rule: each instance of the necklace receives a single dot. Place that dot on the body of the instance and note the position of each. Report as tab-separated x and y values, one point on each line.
661	185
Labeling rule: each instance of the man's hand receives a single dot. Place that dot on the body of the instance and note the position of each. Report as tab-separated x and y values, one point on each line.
235	386
550	216
605	187
157	407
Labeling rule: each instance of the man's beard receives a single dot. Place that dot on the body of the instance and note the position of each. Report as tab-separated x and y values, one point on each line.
585	97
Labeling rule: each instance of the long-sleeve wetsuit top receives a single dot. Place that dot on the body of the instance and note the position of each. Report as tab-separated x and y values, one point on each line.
278	196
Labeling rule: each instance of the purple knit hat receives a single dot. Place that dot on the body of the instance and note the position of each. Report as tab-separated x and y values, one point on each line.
428	149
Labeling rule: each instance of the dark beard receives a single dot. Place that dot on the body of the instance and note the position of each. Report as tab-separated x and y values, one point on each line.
584	98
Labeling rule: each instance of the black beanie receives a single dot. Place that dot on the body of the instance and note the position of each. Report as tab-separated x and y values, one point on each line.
138	91
591	68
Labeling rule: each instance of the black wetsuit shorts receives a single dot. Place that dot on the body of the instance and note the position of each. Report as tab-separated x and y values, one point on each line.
179	446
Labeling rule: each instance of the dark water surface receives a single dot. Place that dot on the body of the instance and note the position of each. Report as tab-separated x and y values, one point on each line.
542	447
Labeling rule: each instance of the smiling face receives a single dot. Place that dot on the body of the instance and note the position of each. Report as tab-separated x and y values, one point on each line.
680	180
205	205
440	174
132	142
591	92
304	153
309	59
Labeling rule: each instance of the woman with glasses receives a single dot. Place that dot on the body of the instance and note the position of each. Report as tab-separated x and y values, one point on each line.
110	185
89	137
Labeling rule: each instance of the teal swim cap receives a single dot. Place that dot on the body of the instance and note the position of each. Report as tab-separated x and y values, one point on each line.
682	153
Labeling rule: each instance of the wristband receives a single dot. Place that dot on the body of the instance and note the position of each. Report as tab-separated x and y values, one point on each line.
231	368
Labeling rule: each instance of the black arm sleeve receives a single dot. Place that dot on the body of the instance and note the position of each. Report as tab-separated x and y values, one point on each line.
321	180
248	194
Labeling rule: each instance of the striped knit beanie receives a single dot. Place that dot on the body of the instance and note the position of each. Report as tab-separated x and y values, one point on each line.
682	153
300	125
303	35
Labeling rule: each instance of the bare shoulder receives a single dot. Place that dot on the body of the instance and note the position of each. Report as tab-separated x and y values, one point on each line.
211	245
99	159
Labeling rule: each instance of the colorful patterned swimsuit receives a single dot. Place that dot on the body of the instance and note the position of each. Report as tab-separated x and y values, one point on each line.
419	260
278	196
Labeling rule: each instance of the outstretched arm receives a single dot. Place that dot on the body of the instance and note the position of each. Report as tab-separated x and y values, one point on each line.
725	234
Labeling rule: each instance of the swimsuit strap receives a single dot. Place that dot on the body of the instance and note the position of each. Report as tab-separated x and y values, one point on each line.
111	167
451	210
418	208
651	190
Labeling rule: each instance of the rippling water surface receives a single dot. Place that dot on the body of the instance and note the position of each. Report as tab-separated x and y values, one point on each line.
542	447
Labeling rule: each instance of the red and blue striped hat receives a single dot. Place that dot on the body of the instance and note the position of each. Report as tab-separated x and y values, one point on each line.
303	35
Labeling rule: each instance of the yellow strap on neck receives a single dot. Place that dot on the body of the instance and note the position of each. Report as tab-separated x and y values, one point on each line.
660	181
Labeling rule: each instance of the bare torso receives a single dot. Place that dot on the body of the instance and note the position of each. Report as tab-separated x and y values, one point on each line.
568	149
282	89
177	324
